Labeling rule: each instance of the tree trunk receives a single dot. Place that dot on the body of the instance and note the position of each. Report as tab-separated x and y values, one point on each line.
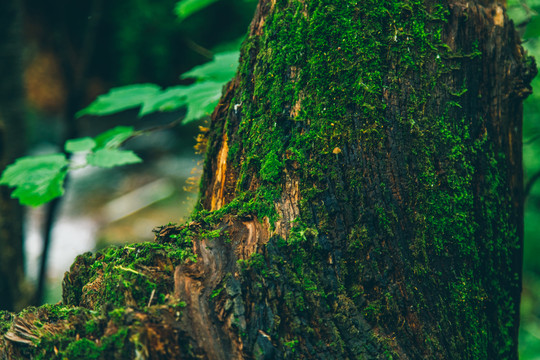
12	139
361	199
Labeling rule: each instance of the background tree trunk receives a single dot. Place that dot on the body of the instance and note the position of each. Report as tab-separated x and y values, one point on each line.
362	198
12	140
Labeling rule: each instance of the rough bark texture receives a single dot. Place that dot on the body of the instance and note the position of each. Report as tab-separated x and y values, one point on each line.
361	200
12	140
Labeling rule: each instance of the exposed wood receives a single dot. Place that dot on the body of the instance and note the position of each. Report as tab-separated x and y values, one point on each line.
220	180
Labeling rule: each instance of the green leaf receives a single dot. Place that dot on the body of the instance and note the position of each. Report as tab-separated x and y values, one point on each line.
185	8
108	158
113	138
221	68
170	99
533	28
202	100
203	96
120	99
147	96
37	179
81	144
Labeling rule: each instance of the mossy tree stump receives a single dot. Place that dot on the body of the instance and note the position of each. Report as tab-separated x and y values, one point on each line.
361	199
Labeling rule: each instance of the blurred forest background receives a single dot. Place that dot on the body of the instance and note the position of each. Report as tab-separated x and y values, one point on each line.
71	52
56	57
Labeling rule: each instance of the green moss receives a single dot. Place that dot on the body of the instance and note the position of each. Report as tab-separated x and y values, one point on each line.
116	344
215	293
66	333
91	327
82	349
5	321
291	344
271	168
124	275
117	315
255	262
210	234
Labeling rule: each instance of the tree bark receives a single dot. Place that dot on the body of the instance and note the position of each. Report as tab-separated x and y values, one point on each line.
361	199
12	139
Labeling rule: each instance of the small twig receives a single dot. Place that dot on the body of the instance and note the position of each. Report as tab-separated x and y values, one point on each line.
531	139
199	49
164	127
151	298
530	184
127	269
530	13
155	128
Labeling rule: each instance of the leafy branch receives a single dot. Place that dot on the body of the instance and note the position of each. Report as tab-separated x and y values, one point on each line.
40	179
